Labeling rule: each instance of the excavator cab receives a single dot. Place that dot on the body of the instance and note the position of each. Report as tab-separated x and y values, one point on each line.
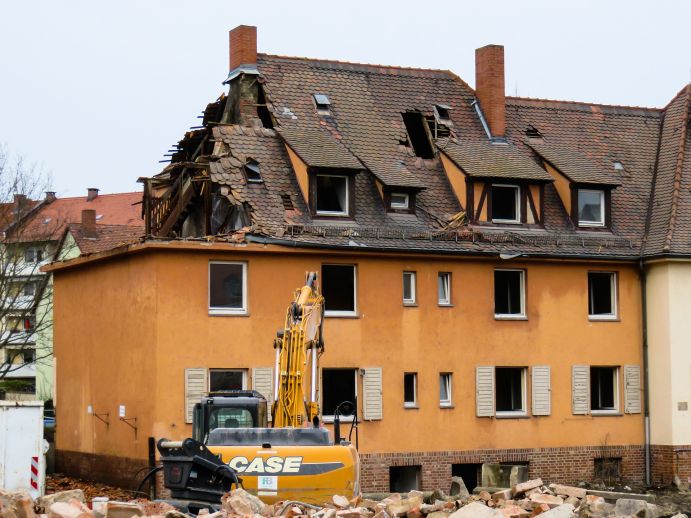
229	409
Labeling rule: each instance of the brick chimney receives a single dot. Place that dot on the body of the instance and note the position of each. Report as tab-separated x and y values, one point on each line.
91	194
50	196
489	87
89	223
243	46
19	204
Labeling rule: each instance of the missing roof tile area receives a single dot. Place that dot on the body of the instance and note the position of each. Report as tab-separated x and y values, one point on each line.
323	103
287	202
263	110
418	134
618	166
532	132
252	172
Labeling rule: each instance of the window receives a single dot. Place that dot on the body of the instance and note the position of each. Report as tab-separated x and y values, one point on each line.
418	134
29	289
409	295
18	324
338	385
510	391
591	208
442	112
332	195
400	200
339	289
506	204
444	288
403	479
322	103
33	255
410	389
509	294
227	288
227	379
604	393
445	389
602	296
252	172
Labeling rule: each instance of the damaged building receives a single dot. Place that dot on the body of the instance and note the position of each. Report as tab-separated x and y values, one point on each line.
481	258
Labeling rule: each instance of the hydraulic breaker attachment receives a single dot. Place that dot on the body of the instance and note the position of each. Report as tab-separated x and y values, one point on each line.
192	472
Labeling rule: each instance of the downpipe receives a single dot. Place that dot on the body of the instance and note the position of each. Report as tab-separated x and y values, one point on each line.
646	384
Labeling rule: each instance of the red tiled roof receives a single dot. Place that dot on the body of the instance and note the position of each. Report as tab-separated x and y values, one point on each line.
105	238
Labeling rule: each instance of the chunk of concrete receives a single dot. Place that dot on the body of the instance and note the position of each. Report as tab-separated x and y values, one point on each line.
513	510
550	500
630	506
44	502
484	495
561	511
504	494
477	510
123	510
68	510
527	486
578	492
458	488
239	501
17	504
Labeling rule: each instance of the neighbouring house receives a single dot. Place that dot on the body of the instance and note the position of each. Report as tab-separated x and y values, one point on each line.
56	228
481	256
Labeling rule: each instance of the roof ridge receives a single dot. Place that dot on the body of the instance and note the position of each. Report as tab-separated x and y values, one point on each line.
58	198
583	103
678	169
678	94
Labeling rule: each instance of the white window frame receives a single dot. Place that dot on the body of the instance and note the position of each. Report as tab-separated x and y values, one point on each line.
517	190
617	403
412	278
338	313
241	371
228	311
400	205
329	418
447	379
347	196
524	394
447	300
613	295
413	403
513	316
586	223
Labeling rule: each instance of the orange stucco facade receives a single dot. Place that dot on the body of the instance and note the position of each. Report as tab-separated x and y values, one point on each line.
126	328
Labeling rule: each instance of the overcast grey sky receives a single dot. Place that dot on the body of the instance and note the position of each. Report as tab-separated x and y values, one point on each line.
98	91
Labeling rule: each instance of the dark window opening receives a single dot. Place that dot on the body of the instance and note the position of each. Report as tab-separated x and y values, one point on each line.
438	127
332	195
338	385
532	132
509	389
508	292
263	111
603	388
410	389
505	203
418	134
442	112
226	285
404	478
220	380
322	103
287	202
338	287
33	255
608	469
471	474
252	172
600	294
225	218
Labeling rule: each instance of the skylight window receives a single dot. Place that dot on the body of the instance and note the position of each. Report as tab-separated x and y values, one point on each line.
442	112
99	217
252	172
323	103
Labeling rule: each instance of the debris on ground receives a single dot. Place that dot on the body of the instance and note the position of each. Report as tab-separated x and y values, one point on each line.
57	482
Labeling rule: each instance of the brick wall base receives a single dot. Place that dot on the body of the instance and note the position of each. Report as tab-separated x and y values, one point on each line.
560	465
667	461
108	469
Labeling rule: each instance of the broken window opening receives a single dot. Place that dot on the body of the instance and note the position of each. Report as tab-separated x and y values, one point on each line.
470	473
509	293
323	104
445	389
438	129
410	389
442	113
532	132
332	195
444	288
227	288
591	208
604	396
409	295
506	204
510	390
339	289
403	479
338	385
227	218
263	110
227	379
287	202
418	134
602	295
252	172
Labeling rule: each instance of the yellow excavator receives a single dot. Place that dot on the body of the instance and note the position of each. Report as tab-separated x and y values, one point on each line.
233	445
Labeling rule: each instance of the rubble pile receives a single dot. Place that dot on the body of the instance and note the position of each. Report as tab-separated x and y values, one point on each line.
527	499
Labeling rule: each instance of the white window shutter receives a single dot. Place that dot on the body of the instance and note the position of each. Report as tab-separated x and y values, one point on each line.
372	394
542	390
195	389
580	389
484	390
632	389
263	382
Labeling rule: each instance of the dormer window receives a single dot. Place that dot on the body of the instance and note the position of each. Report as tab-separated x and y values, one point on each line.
332	195
400	200
442	113
252	172
591	208
323	104
506	203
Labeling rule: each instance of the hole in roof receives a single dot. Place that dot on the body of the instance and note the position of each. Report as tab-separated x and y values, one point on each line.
532	132
263	110
442	111
322	102
99	216
46	221
252	173
287	202
418	134
618	166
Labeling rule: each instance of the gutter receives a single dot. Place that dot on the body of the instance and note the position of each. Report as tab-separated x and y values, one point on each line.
646	381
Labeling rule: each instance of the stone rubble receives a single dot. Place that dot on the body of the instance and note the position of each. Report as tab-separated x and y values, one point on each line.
525	500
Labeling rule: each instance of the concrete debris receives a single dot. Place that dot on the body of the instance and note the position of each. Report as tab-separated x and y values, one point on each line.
524	487
18	504
458	488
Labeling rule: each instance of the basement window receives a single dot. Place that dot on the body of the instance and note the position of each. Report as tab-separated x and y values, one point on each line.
339	290
338	385
418	134
506	204
252	172
602	295
400	200
445	389
409	295
403	479
410	390
322	103
509	294
604	393
591	208
227	379
332	196
227	288
510	391
444	288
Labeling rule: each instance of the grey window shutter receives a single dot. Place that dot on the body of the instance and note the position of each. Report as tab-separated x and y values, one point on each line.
484	391
580	389
632	389
542	390
263	382
195	389
372	394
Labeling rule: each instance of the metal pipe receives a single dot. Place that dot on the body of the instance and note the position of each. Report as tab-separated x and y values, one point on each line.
277	372
646	384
